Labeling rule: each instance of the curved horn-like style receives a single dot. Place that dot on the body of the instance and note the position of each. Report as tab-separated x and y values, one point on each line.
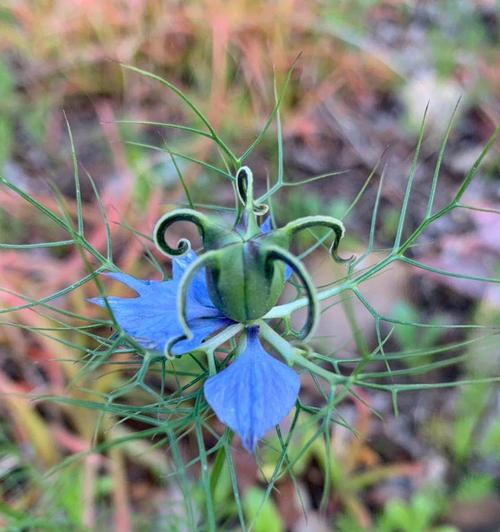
244	178
325	221
260	209
179	215
186	280
277	253
244	187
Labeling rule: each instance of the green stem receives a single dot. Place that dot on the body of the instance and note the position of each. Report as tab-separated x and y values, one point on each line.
211	345
220	458
284	310
356	330
235	160
293	356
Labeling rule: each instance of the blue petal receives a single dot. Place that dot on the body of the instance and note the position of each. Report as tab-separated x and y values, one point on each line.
267	225
254	393
199	290
151	318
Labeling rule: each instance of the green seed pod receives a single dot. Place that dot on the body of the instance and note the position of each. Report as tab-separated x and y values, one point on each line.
245	267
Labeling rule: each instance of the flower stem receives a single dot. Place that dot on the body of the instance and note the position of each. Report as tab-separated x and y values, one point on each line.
220	458
222	337
293	356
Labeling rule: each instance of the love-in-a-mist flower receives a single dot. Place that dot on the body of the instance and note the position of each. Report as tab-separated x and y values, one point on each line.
238	279
251	395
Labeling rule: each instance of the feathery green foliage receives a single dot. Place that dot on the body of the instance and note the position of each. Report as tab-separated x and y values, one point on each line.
164	397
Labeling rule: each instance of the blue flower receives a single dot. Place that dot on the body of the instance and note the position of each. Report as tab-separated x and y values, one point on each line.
250	396
254	393
151	318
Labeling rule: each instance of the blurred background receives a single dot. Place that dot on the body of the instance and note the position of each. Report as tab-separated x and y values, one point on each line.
358	92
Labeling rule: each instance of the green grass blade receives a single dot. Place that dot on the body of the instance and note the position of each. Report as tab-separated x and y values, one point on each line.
475	167
104	216
39	245
182	156
411	177
187	129
76	177
270	118
191	105
437	169
180	176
